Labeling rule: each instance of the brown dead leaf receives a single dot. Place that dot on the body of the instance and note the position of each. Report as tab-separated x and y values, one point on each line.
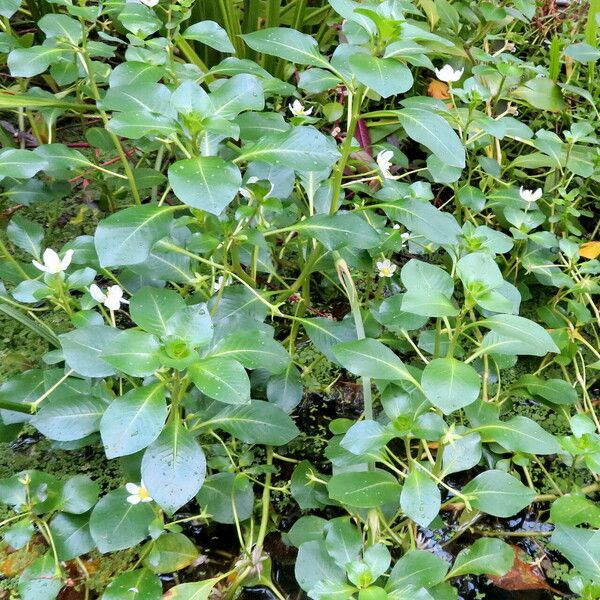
438	89
522	576
590	250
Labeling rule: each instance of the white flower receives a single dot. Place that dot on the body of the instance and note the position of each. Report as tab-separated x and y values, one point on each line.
386	268
112	299
138	493
221	282
384	163
149	3
298	110
448	74
396	226
52	262
530	195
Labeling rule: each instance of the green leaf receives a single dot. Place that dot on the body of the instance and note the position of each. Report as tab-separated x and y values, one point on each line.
256	423
115	524
71	535
173	467
134	353
138	97
497	493
25	234
573	509
450	384
151	308
127	236
417	568
40	581
302	148
79	494
428	304
511	334
211	34
343	540
20	164
170	552
420	498
479	267
241	92
431	130
192	324
421	276
316	81
205	182
366	436
285	389
135	125
133	421
314	564
325	334
368	489
462	454
581	547
29	62
541	93
520	434
370	358
391	314
147	584
9	7
223	379
288	44
339	230
424	219
485	557
386	76
221	491
139	19
557	391
18	534
61	26
83	348
254	349
192	591
69	418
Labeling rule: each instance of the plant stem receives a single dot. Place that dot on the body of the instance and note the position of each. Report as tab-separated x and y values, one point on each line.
266	501
346	149
115	140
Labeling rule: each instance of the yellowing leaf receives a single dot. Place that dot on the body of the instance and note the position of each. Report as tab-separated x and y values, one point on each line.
590	250
438	89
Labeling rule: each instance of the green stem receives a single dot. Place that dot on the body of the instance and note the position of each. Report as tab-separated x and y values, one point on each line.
266	501
346	149
115	140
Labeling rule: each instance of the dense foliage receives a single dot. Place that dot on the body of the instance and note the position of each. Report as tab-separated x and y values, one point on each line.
390	200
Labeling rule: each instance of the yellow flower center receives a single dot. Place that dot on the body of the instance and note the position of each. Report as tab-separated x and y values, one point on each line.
143	493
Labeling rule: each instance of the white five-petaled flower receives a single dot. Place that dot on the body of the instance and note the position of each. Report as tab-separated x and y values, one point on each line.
112	298
221	282
448	74
53	263
138	493
386	268
298	110
530	195
384	163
